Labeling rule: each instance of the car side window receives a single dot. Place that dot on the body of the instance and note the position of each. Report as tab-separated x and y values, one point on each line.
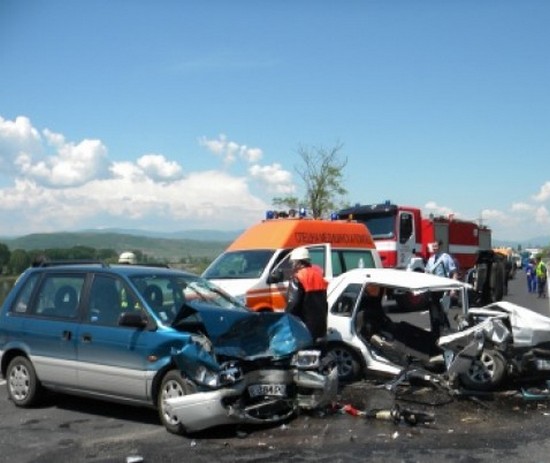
344	305
59	296
21	304
108	299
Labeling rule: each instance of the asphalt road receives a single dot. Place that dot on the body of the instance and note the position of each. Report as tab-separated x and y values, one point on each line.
504	427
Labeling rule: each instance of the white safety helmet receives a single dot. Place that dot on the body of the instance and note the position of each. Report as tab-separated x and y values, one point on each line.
299	254
127	258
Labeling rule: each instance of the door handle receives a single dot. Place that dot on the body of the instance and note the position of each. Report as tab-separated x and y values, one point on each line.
87	337
66	335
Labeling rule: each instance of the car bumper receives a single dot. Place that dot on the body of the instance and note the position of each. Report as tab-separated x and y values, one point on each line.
204	410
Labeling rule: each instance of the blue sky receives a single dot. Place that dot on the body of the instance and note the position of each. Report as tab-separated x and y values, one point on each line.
176	115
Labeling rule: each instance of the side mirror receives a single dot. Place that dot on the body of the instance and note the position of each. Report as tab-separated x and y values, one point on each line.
133	320
276	276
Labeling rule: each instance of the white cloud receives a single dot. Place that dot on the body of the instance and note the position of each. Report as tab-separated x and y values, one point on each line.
24	152
542	216
544	193
230	151
72	165
159	168
16	138
431	207
274	177
76	186
522	207
489	215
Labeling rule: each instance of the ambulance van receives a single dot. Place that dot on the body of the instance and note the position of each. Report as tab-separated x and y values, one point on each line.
256	268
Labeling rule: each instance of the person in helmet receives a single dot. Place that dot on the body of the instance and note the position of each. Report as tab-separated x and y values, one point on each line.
307	294
127	258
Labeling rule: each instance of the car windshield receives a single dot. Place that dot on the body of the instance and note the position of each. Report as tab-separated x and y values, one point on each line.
166	294
239	264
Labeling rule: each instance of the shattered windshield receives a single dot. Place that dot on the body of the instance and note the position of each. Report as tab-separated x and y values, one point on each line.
167	294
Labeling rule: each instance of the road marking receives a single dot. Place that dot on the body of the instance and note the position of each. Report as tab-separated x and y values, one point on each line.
2	382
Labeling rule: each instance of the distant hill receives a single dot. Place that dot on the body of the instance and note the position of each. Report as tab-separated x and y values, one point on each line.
201	235
172	249
171	246
537	242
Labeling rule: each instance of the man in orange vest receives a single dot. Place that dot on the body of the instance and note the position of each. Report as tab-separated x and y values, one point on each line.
307	294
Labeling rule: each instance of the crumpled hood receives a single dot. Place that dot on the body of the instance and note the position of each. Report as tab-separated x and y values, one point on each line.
263	334
242	334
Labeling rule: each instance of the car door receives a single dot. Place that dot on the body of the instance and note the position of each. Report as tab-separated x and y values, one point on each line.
114	360
49	326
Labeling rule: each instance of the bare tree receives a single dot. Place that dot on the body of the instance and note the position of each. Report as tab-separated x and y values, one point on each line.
322	174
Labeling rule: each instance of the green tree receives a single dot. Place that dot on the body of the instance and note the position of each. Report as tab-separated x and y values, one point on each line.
322	174
19	261
4	256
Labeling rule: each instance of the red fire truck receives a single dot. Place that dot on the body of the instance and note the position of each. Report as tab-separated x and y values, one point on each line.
403	238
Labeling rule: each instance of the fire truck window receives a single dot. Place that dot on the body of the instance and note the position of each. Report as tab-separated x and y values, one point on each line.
405	227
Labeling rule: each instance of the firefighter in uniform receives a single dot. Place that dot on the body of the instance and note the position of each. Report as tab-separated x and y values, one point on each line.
307	294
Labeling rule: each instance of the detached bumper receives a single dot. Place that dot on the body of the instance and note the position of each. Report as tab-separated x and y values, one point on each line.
316	390
204	410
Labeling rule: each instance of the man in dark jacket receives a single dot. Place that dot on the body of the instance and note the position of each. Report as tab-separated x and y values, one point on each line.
307	294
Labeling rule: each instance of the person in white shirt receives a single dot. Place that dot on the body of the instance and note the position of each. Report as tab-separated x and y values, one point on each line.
440	263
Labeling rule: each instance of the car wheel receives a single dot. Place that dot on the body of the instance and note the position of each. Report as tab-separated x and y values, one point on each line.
346	362
486	372
24	388
173	385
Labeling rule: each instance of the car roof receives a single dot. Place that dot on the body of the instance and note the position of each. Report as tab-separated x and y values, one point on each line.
398	279
118	269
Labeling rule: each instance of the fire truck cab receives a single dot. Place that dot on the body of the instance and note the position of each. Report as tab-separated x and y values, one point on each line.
403	236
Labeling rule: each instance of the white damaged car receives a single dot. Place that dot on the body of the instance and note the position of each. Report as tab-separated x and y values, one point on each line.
386	321
369	322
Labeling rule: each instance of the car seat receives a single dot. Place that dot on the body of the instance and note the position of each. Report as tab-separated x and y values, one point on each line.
65	302
153	296
105	302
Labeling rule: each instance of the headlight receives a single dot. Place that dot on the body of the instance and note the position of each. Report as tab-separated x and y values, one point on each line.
307	359
229	373
205	376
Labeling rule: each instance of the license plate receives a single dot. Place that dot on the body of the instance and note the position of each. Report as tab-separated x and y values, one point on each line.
278	390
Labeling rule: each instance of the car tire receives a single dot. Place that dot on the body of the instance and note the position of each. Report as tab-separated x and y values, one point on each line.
24	388
486	373
173	385
346	361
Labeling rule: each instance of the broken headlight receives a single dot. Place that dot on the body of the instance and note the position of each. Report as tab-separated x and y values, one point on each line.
206	377
228	374
306	359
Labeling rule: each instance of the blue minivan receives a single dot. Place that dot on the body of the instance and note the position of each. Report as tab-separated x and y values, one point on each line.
159	337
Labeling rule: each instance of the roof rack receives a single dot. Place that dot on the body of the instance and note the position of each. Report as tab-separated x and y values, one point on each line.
55	263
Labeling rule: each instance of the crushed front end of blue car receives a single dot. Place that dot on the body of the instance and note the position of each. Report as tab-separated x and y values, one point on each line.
262	369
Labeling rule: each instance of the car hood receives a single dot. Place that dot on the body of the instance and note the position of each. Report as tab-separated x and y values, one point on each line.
243	334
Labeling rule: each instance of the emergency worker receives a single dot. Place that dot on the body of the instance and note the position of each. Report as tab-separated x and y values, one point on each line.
307	294
440	263
541	272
